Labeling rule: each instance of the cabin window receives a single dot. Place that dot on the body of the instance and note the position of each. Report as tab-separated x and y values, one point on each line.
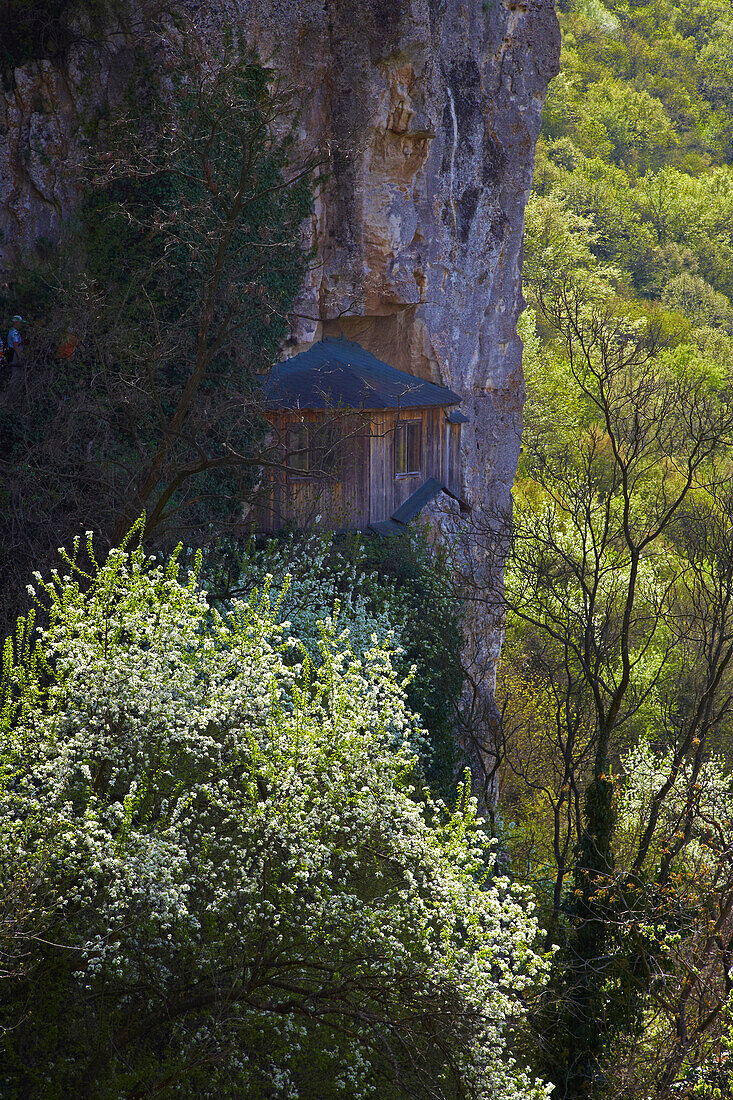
313	449
299	453
407	447
325	440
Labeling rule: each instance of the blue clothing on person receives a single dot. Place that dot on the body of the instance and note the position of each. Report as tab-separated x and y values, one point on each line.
15	342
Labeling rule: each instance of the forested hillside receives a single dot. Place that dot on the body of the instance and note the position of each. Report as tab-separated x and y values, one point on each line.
637	147
616	680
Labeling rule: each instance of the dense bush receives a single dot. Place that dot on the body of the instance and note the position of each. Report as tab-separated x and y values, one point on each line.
218	878
397	589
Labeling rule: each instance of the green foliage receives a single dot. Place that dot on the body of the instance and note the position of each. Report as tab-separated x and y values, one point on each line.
218	876
412	580
176	281
619	587
637	141
398	590
662	62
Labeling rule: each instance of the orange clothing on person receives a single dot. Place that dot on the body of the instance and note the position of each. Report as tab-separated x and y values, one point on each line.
67	346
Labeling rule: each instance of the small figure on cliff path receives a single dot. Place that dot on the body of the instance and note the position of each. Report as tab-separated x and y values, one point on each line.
14	355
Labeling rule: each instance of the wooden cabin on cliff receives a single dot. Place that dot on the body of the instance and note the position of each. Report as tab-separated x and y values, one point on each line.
361	444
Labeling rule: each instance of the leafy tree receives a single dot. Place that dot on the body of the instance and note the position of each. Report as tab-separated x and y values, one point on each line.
619	591
176	283
698	301
637	127
221	874
616	670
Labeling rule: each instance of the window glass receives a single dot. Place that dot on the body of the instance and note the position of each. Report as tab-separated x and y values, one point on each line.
298	449
407	447
414	445
325	451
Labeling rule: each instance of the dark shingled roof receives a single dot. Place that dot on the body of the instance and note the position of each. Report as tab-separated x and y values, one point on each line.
388	527
336	373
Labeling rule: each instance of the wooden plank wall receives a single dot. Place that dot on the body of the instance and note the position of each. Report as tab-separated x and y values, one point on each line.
361	488
452	474
338	494
387	491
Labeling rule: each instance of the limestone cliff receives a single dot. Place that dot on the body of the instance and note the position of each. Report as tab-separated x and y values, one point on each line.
426	113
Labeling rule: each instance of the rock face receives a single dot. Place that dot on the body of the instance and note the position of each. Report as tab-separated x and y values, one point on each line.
426	113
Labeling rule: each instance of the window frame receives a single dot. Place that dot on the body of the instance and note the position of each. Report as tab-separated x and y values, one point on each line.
403	427
303	455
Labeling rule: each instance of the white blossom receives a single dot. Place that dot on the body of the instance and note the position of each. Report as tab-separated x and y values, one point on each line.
203	810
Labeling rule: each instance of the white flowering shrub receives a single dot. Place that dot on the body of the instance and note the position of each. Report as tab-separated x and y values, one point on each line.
703	794
309	578
217	876
396	590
